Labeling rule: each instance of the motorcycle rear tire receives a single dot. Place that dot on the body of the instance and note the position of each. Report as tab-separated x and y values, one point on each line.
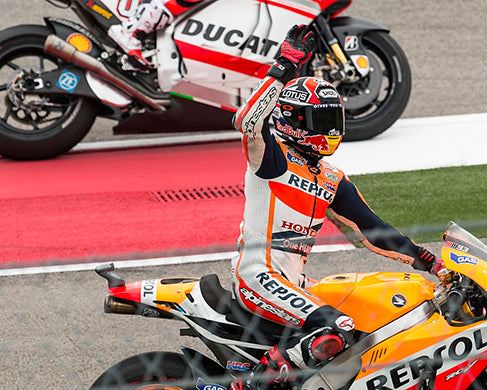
377	116
167	369
20	44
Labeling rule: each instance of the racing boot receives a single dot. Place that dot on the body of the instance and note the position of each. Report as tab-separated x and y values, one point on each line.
274	368
148	17
302	353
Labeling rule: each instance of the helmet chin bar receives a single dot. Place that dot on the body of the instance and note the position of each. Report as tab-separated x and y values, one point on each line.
310	158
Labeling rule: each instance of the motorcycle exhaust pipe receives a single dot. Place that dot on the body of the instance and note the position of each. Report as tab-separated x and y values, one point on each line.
111	305
63	50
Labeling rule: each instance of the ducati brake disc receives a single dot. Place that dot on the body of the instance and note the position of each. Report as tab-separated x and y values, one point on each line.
22	81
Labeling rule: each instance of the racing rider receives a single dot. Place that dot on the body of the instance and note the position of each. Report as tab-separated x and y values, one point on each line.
288	188
148	17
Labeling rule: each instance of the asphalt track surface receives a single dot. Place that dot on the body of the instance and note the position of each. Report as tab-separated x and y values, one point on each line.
53	330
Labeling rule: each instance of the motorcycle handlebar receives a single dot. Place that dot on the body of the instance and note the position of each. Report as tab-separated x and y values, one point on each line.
456	298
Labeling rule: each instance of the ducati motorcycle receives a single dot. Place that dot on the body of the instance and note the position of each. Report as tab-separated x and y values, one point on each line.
410	333
56	78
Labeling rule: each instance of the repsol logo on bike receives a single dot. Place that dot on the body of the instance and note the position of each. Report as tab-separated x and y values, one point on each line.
283	293
310	187
455	350
148	291
268	307
229	37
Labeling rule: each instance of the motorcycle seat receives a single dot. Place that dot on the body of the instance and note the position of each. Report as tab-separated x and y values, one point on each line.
222	301
214	294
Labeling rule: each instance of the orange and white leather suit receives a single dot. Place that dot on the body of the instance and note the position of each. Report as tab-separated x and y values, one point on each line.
286	201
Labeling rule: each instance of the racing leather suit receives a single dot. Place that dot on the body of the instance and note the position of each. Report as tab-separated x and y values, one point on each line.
288	192
287	197
286	200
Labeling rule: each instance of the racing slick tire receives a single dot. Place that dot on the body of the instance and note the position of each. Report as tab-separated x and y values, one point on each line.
33	126
164	370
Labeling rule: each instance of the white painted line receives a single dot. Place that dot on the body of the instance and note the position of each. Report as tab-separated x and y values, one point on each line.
150	262
418	143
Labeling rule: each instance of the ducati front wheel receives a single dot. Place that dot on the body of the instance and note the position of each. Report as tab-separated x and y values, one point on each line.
374	102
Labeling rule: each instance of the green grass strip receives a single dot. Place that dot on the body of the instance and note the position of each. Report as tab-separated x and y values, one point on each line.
420	203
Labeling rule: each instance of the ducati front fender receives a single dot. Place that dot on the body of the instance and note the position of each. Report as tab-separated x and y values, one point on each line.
348	25
349	31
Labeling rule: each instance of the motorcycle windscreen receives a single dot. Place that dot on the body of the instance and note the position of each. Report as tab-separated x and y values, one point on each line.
464	253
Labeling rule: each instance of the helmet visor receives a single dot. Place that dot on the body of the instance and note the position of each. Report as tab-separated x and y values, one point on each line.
324	119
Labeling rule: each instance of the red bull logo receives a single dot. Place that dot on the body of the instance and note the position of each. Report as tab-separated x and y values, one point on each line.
289	130
317	142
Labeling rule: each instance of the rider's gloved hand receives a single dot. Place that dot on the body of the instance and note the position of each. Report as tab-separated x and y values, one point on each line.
427	261
295	51
298	45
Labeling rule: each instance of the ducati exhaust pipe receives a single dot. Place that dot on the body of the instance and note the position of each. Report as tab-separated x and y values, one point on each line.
63	50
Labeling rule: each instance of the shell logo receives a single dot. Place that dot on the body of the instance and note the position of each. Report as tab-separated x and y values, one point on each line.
362	62
80	42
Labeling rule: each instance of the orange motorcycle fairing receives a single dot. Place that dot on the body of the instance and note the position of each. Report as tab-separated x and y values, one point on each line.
373	299
163	293
457	354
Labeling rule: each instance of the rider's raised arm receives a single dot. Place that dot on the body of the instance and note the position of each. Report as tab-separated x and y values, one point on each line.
252	118
350	208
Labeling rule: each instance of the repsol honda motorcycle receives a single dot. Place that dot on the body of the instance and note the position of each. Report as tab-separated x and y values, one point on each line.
55	79
410	332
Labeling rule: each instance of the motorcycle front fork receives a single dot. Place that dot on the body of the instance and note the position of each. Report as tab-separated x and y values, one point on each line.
341	69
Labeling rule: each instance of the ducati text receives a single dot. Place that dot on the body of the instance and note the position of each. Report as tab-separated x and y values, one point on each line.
229	37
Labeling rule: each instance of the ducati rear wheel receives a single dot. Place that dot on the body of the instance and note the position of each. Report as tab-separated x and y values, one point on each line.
147	371
36	126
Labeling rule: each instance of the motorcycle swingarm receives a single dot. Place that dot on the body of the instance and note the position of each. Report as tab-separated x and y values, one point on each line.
205	368
69	79
74	81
